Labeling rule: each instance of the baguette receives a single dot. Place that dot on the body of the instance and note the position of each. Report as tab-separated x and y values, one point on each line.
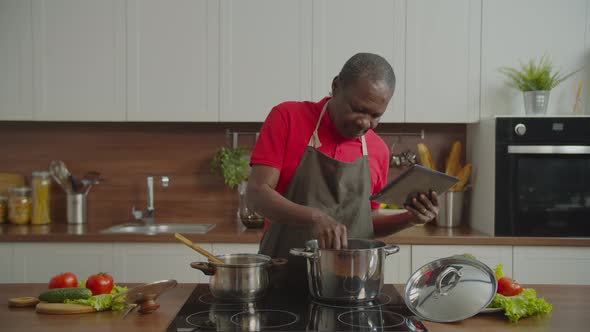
453	163
425	157
463	176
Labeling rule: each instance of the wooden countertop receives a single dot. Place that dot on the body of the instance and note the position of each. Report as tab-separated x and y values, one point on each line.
234	233
571	305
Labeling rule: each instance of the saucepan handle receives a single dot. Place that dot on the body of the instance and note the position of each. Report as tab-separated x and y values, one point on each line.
206	268
390	249
302	253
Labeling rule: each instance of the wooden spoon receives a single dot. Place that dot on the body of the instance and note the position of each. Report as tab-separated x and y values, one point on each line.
198	249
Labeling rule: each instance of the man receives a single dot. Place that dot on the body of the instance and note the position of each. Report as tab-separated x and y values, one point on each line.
315	165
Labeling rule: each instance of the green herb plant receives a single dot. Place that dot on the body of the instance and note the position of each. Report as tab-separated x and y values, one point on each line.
232	165
533	76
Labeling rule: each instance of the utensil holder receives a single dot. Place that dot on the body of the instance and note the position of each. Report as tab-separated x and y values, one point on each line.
76	208
450	208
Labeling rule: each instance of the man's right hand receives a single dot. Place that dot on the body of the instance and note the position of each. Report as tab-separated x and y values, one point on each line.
329	233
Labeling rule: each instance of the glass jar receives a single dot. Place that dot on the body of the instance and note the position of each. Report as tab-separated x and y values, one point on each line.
3	208
19	205
40	183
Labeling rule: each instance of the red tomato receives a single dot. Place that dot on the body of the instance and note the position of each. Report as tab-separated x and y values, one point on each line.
508	287
100	283
64	280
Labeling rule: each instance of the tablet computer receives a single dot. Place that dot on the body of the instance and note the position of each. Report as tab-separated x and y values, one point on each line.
417	179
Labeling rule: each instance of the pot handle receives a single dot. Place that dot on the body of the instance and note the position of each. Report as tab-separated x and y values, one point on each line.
302	253
439	291
205	267
390	249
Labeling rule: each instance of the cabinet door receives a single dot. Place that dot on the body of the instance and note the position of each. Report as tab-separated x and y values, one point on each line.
265	56
172	60
16	60
6	257
79	60
552	265
145	262
397	266
443	60
38	262
235	248
343	28
489	255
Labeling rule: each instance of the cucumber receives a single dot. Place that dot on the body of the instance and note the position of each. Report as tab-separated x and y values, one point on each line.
58	295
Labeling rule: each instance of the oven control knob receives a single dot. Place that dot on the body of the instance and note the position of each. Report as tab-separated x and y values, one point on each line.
520	129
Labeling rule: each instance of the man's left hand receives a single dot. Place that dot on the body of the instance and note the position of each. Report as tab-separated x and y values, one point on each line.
423	208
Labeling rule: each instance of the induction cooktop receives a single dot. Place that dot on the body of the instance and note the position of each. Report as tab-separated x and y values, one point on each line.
292	310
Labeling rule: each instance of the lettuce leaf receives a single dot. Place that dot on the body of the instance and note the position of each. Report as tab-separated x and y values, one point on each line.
104	302
522	305
498	271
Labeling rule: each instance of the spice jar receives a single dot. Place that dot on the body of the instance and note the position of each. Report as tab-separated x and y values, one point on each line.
3	208
40	183
19	205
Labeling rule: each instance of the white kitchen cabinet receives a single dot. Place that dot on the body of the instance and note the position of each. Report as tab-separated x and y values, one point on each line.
16	60
265	56
342	28
6	258
552	265
146	262
398	266
79	64
514	31
38	262
443	61
172	60
489	255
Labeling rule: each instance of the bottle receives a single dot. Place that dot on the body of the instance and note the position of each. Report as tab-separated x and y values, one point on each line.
3	208
40	183
19	205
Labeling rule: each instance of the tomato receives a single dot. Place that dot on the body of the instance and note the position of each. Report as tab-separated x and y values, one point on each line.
100	283
64	280
508	287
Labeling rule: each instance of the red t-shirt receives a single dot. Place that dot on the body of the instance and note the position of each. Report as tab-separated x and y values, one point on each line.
285	135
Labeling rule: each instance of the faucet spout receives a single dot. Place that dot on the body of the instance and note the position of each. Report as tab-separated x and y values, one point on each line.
147	216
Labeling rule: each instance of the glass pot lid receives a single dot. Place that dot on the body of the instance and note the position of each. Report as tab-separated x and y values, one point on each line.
450	289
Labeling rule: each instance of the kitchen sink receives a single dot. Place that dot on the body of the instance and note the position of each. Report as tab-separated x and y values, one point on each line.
159	228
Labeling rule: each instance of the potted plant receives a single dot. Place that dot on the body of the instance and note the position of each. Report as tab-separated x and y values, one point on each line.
535	80
233	165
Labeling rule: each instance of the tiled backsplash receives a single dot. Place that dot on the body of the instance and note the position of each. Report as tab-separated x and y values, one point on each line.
125	153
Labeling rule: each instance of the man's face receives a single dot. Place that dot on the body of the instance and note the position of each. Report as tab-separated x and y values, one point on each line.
356	108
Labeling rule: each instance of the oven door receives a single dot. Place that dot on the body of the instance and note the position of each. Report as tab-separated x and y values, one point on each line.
543	190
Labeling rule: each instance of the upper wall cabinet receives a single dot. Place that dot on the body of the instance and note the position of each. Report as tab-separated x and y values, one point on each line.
265	56
16	60
79	49
443	60
343	28
172	60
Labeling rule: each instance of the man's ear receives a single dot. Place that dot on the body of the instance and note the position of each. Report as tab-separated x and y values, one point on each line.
335	85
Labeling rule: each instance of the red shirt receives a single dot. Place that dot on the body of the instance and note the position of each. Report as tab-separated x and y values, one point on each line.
285	135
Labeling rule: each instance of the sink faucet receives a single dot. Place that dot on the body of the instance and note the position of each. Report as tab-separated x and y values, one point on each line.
147	216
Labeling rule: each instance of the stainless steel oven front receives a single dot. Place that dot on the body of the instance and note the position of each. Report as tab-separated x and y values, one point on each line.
542	172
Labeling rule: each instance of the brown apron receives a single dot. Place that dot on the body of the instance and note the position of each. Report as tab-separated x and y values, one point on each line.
339	189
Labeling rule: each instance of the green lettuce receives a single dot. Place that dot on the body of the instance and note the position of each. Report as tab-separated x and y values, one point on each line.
522	305
104	302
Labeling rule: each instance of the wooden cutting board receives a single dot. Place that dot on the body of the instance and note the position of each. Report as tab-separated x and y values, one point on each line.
63	308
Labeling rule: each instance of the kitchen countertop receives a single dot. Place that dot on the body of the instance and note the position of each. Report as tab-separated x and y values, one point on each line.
234	233
571	305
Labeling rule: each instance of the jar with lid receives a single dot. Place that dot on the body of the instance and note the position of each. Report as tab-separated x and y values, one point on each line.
40	183
19	205
3	208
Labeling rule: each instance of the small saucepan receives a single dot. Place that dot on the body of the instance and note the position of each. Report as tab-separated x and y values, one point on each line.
240	277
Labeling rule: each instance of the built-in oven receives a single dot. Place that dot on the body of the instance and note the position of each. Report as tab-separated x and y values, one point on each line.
542	176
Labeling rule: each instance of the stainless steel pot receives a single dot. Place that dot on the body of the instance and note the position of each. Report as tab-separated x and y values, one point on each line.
241	277
349	275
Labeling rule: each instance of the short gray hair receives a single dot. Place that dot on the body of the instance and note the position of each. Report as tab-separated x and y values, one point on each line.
372	66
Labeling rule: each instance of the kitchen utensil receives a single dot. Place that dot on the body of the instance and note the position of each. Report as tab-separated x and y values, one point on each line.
349	275
9	180
63	308
450	289
88	180
198	249
76	208
62	176
24	301
144	296
240	277
451	208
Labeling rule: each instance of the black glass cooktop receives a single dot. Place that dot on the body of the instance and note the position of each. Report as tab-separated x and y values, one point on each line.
285	310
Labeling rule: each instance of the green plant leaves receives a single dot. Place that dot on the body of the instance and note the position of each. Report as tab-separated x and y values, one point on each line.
533	76
232	165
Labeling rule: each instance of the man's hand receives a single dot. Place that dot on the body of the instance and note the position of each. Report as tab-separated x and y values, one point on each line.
423	208
329	233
